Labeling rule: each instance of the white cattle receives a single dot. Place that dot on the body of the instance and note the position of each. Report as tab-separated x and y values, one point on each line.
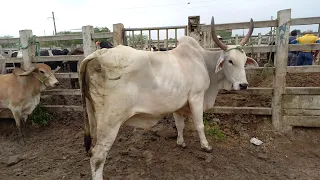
135	87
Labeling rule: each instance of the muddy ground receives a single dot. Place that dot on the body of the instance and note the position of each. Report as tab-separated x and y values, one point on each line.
56	151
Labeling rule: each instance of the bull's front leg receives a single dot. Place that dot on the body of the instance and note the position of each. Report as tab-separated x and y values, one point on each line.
196	106
17	117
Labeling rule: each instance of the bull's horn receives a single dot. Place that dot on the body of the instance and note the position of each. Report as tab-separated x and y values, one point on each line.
245	39
28	72
215	38
57	69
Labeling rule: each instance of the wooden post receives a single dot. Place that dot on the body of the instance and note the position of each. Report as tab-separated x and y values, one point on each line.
88	42
118	34
194	28
205	40
259	44
165	43
279	81
2	63
237	39
28	50
150	41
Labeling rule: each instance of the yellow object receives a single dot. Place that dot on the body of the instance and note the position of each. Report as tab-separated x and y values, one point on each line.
307	39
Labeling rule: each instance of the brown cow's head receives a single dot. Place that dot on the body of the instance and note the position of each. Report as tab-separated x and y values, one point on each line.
43	73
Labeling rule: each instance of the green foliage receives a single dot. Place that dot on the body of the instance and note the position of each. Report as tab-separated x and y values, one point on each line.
212	128
40	116
8	45
69	43
225	34
137	39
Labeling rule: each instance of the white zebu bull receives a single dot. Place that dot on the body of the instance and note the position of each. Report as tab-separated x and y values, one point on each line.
135	87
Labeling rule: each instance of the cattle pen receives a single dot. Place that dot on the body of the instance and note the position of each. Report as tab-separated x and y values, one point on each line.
289	96
291	106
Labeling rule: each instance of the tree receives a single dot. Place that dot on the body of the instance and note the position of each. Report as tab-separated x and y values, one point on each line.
14	45
225	34
69	43
137	39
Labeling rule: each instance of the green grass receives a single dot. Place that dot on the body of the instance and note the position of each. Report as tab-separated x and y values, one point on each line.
40	116
212	129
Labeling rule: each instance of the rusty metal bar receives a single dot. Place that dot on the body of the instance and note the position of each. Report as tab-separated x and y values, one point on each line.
158	39
150	42
175	36
133	45
141	43
167	37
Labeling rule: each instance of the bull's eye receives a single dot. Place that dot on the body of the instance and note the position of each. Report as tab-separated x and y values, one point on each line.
230	61
41	72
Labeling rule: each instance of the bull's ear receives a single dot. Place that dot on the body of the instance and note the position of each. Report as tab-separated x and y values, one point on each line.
26	73
220	64
251	62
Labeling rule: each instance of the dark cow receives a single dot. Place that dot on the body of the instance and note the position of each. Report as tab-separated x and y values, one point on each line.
162	49
13	55
79	51
104	44
53	65
55	52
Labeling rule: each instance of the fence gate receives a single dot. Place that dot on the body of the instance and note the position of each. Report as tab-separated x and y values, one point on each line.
302	109
146	42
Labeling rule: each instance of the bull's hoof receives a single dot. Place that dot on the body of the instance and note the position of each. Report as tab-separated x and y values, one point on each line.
183	145
207	149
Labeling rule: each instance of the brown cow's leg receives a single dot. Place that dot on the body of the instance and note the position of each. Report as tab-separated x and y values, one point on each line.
17	118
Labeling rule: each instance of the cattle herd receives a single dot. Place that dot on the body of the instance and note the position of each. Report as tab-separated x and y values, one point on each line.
122	85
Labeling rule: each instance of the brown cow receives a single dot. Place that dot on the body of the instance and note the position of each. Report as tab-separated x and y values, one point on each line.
20	90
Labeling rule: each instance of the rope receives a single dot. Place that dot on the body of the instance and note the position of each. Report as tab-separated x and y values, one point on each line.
31	41
238	47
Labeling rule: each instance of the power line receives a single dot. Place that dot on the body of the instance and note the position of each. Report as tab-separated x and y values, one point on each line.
164	5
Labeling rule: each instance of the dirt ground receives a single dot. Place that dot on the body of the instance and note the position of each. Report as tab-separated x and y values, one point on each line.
56	151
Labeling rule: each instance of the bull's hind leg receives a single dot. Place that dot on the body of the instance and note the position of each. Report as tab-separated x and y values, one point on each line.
179	120
107	130
196	105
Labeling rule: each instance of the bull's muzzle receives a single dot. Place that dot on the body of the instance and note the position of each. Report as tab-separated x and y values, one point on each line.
243	86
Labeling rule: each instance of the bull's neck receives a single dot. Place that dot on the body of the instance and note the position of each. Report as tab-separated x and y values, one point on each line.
211	59
33	84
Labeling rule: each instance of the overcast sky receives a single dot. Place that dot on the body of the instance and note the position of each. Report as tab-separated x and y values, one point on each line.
73	14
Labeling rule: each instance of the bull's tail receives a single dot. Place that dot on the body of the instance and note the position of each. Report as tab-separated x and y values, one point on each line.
82	70
85	94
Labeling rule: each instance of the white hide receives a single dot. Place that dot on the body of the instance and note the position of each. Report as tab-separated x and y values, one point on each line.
137	88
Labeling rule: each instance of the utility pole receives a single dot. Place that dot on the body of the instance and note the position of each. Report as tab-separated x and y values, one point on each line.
54	24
